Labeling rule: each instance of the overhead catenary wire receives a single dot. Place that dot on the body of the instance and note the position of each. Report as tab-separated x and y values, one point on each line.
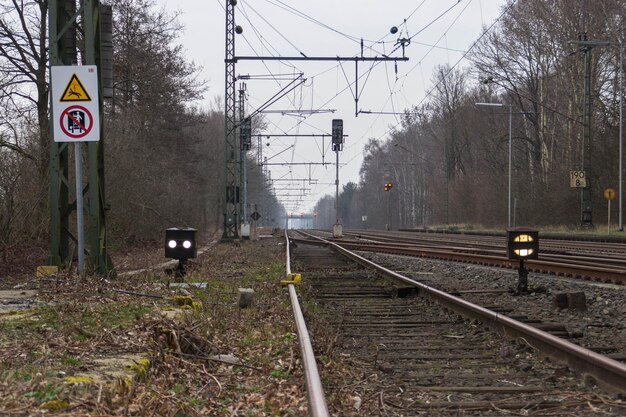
437	42
430	92
419	63
275	30
392	86
303	15
350	85
432	22
295	11
262	41
432	47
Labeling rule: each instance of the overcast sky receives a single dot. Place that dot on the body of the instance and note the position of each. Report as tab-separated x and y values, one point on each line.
440	31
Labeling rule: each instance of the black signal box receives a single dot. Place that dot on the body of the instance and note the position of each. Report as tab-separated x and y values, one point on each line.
180	243
337	134
522	243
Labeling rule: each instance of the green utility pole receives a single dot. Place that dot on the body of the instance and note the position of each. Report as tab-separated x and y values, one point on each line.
62	37
64	18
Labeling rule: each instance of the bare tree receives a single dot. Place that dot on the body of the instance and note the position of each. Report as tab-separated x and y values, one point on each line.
23	82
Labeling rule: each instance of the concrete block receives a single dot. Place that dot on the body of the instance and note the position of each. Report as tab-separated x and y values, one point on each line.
245	297
577	301
559	300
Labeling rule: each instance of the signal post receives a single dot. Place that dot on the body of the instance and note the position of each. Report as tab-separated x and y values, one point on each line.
337	136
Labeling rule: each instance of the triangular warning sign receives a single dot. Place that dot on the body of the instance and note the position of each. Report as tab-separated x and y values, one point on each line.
75	91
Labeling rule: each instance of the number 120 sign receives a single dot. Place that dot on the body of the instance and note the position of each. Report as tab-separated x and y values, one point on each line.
577	179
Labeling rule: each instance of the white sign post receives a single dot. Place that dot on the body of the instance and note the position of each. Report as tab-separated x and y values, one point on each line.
76	118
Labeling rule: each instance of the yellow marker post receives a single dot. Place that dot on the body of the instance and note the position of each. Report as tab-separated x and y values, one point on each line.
609	194
46	271
295	279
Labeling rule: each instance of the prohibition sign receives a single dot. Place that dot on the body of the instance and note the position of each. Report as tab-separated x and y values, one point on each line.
76	122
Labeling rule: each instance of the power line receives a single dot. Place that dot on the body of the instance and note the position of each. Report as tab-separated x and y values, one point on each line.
275	30
303	15
429	92
368	73
430	24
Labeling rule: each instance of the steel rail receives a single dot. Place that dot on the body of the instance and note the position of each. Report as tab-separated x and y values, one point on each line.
556	247
547	255
607	372
314	389
613	262
617	276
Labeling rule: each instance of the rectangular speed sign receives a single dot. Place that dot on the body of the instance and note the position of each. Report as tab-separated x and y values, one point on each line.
577	179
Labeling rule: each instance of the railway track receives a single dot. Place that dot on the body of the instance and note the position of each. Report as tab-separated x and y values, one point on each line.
603	262
428	360
497	244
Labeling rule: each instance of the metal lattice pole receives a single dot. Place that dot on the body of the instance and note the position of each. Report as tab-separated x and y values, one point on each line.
242	154
231	154
586	46
99	259
621	130
63	51
586	211
510	159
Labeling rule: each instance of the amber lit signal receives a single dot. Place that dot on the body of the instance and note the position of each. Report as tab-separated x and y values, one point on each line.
525	253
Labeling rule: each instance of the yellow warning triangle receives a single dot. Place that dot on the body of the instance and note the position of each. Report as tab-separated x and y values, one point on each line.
75	91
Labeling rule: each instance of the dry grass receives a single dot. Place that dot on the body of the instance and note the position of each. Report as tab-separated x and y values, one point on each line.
80	321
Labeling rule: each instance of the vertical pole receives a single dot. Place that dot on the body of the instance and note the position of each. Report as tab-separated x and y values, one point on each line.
244	180
231	220
79	207
608	222
356	88
621	131
62	52
586	209
99	258
242	154
445	152
510	157
337	186
389	210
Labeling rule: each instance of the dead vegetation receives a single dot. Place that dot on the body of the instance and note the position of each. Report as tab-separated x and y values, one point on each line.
129	347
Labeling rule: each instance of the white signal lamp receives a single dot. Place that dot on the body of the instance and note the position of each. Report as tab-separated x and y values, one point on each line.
522	244
180	243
